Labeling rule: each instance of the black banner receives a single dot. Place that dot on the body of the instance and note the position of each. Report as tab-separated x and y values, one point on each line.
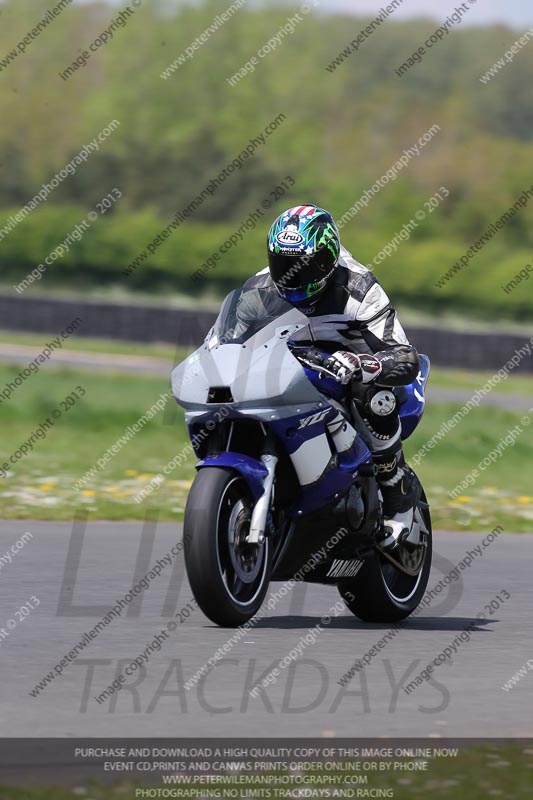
268	768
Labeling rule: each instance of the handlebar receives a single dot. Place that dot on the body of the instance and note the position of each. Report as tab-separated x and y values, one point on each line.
313	359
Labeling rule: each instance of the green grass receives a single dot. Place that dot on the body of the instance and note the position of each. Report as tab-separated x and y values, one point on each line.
40	484
476	773
502	493
471	381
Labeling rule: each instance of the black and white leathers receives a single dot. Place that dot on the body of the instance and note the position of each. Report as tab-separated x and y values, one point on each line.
354	313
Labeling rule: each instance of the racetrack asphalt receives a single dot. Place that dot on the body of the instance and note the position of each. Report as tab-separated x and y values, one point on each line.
77	576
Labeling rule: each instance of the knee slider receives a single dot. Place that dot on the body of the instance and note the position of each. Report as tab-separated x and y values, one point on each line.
383	403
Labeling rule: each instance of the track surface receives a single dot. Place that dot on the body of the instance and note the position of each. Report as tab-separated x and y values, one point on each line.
465	699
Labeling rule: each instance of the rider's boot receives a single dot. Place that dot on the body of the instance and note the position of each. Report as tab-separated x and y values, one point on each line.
399	489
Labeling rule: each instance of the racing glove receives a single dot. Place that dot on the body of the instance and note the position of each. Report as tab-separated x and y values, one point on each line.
350	367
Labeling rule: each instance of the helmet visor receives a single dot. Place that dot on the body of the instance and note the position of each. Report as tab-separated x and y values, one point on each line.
298	271
301	294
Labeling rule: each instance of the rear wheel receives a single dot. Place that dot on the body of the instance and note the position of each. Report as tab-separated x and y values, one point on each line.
229	577
389	587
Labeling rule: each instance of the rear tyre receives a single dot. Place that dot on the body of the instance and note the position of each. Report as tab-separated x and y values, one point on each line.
229	578
382	592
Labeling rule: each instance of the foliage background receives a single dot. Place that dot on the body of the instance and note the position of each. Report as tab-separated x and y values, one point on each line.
343	130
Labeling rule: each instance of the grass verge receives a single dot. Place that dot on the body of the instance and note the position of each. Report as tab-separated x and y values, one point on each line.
39	485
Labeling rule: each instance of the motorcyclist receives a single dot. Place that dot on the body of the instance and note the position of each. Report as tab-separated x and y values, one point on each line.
348	313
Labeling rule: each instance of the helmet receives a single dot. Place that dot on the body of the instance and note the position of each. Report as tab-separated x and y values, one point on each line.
303	252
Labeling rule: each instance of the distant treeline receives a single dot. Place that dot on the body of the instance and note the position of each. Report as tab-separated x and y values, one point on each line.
342	134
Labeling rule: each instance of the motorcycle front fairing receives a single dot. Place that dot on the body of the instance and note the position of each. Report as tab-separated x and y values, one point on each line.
247	372
412	398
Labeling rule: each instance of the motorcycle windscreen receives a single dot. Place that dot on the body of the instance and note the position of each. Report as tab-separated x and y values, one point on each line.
247	311
245	359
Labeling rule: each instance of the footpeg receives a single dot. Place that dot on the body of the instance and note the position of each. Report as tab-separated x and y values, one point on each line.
396	531
368	470
394	534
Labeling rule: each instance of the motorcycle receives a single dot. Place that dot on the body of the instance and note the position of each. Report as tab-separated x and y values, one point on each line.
285	486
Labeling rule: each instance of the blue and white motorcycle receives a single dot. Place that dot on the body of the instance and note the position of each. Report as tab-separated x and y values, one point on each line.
285	483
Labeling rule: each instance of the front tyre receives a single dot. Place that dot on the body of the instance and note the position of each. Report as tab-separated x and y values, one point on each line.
229	578
384	591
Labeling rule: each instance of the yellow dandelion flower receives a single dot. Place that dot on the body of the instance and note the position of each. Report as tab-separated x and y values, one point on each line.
131	472
524	498
463	499
111	489
45	487
88	493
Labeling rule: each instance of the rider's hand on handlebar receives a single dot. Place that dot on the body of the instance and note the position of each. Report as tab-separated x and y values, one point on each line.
344	365
350	367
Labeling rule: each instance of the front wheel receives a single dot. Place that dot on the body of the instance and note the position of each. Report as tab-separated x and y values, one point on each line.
229	577
389	588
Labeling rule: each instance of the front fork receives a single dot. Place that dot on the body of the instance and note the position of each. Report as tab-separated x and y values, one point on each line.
262	506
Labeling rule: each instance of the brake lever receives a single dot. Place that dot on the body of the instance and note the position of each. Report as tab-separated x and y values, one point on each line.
320	369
